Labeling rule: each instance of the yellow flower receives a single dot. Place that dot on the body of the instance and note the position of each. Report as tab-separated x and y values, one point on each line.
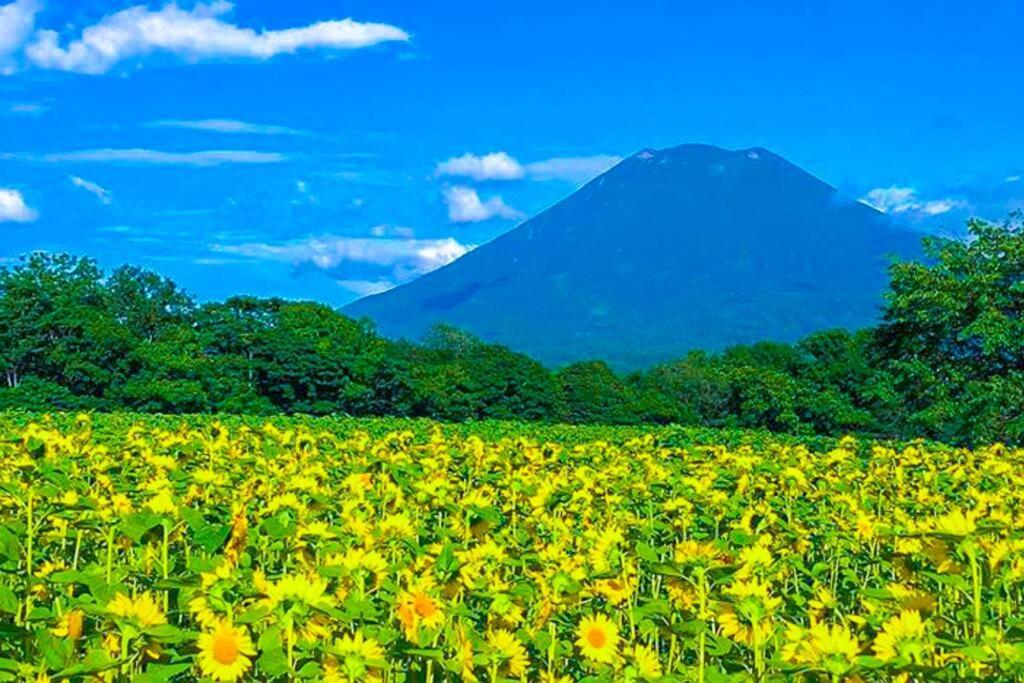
597	637
956	523
646	661
615	591
903	636
121	606
307	590
147	612
418	609
749	617
224	652
70	625
366	649
509	651
829	648
144	610
836	646
162	503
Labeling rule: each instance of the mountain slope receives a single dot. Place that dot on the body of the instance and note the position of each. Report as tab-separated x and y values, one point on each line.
671	250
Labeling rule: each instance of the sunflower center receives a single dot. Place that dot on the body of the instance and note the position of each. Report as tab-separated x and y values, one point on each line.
596	637
424	606
225	649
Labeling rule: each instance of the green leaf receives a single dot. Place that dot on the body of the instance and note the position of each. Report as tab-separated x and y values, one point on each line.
8	599
161	673
137	524
647	553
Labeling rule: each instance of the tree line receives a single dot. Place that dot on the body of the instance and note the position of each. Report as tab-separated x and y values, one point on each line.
945	362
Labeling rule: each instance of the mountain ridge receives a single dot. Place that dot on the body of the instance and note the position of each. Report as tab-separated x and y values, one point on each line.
688	247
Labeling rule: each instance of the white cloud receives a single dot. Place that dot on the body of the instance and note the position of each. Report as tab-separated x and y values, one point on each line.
226	126
571	169
367	287
14	209
493	166
465	206
905	200
1012	178
392	231
502	166
196	34
156	157
27	109
101	193
399	258
16	22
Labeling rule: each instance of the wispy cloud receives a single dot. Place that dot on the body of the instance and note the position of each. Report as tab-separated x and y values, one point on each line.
27	109
160	158
357	263
571	169
905	200
229	126
367	287
465	206
196	34
16	22
14	209
493	166
502	166
101	193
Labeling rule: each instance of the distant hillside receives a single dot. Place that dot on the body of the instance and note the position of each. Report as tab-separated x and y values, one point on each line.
671	250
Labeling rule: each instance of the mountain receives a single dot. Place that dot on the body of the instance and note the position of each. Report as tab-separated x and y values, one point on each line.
692	247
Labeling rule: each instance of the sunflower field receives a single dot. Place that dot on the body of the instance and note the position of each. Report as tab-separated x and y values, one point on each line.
158	549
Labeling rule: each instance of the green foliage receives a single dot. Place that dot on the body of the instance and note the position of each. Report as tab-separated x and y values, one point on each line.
946	363
953	335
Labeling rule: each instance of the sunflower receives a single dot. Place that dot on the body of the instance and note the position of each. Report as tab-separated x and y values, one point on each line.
902	636
366	649
598	638
645	659
956	523
831	648
836	646
70	625
224	652
144	610
417	609
509	652
147	611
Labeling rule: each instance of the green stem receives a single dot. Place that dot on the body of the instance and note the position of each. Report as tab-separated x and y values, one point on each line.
551	647
110	555
29	549
165	559
976	586
702	641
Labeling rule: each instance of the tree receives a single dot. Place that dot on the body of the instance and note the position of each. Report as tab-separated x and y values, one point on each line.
55	324
953	335
145	303
593	393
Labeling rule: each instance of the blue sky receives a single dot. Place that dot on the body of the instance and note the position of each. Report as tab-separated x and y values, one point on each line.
329	149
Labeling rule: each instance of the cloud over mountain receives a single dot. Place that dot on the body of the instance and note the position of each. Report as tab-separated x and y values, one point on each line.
905	200
360	264
502	166
465	206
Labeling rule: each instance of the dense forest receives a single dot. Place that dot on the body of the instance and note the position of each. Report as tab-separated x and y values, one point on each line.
946	361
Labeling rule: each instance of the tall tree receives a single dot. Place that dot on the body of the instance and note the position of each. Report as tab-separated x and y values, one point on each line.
953	334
